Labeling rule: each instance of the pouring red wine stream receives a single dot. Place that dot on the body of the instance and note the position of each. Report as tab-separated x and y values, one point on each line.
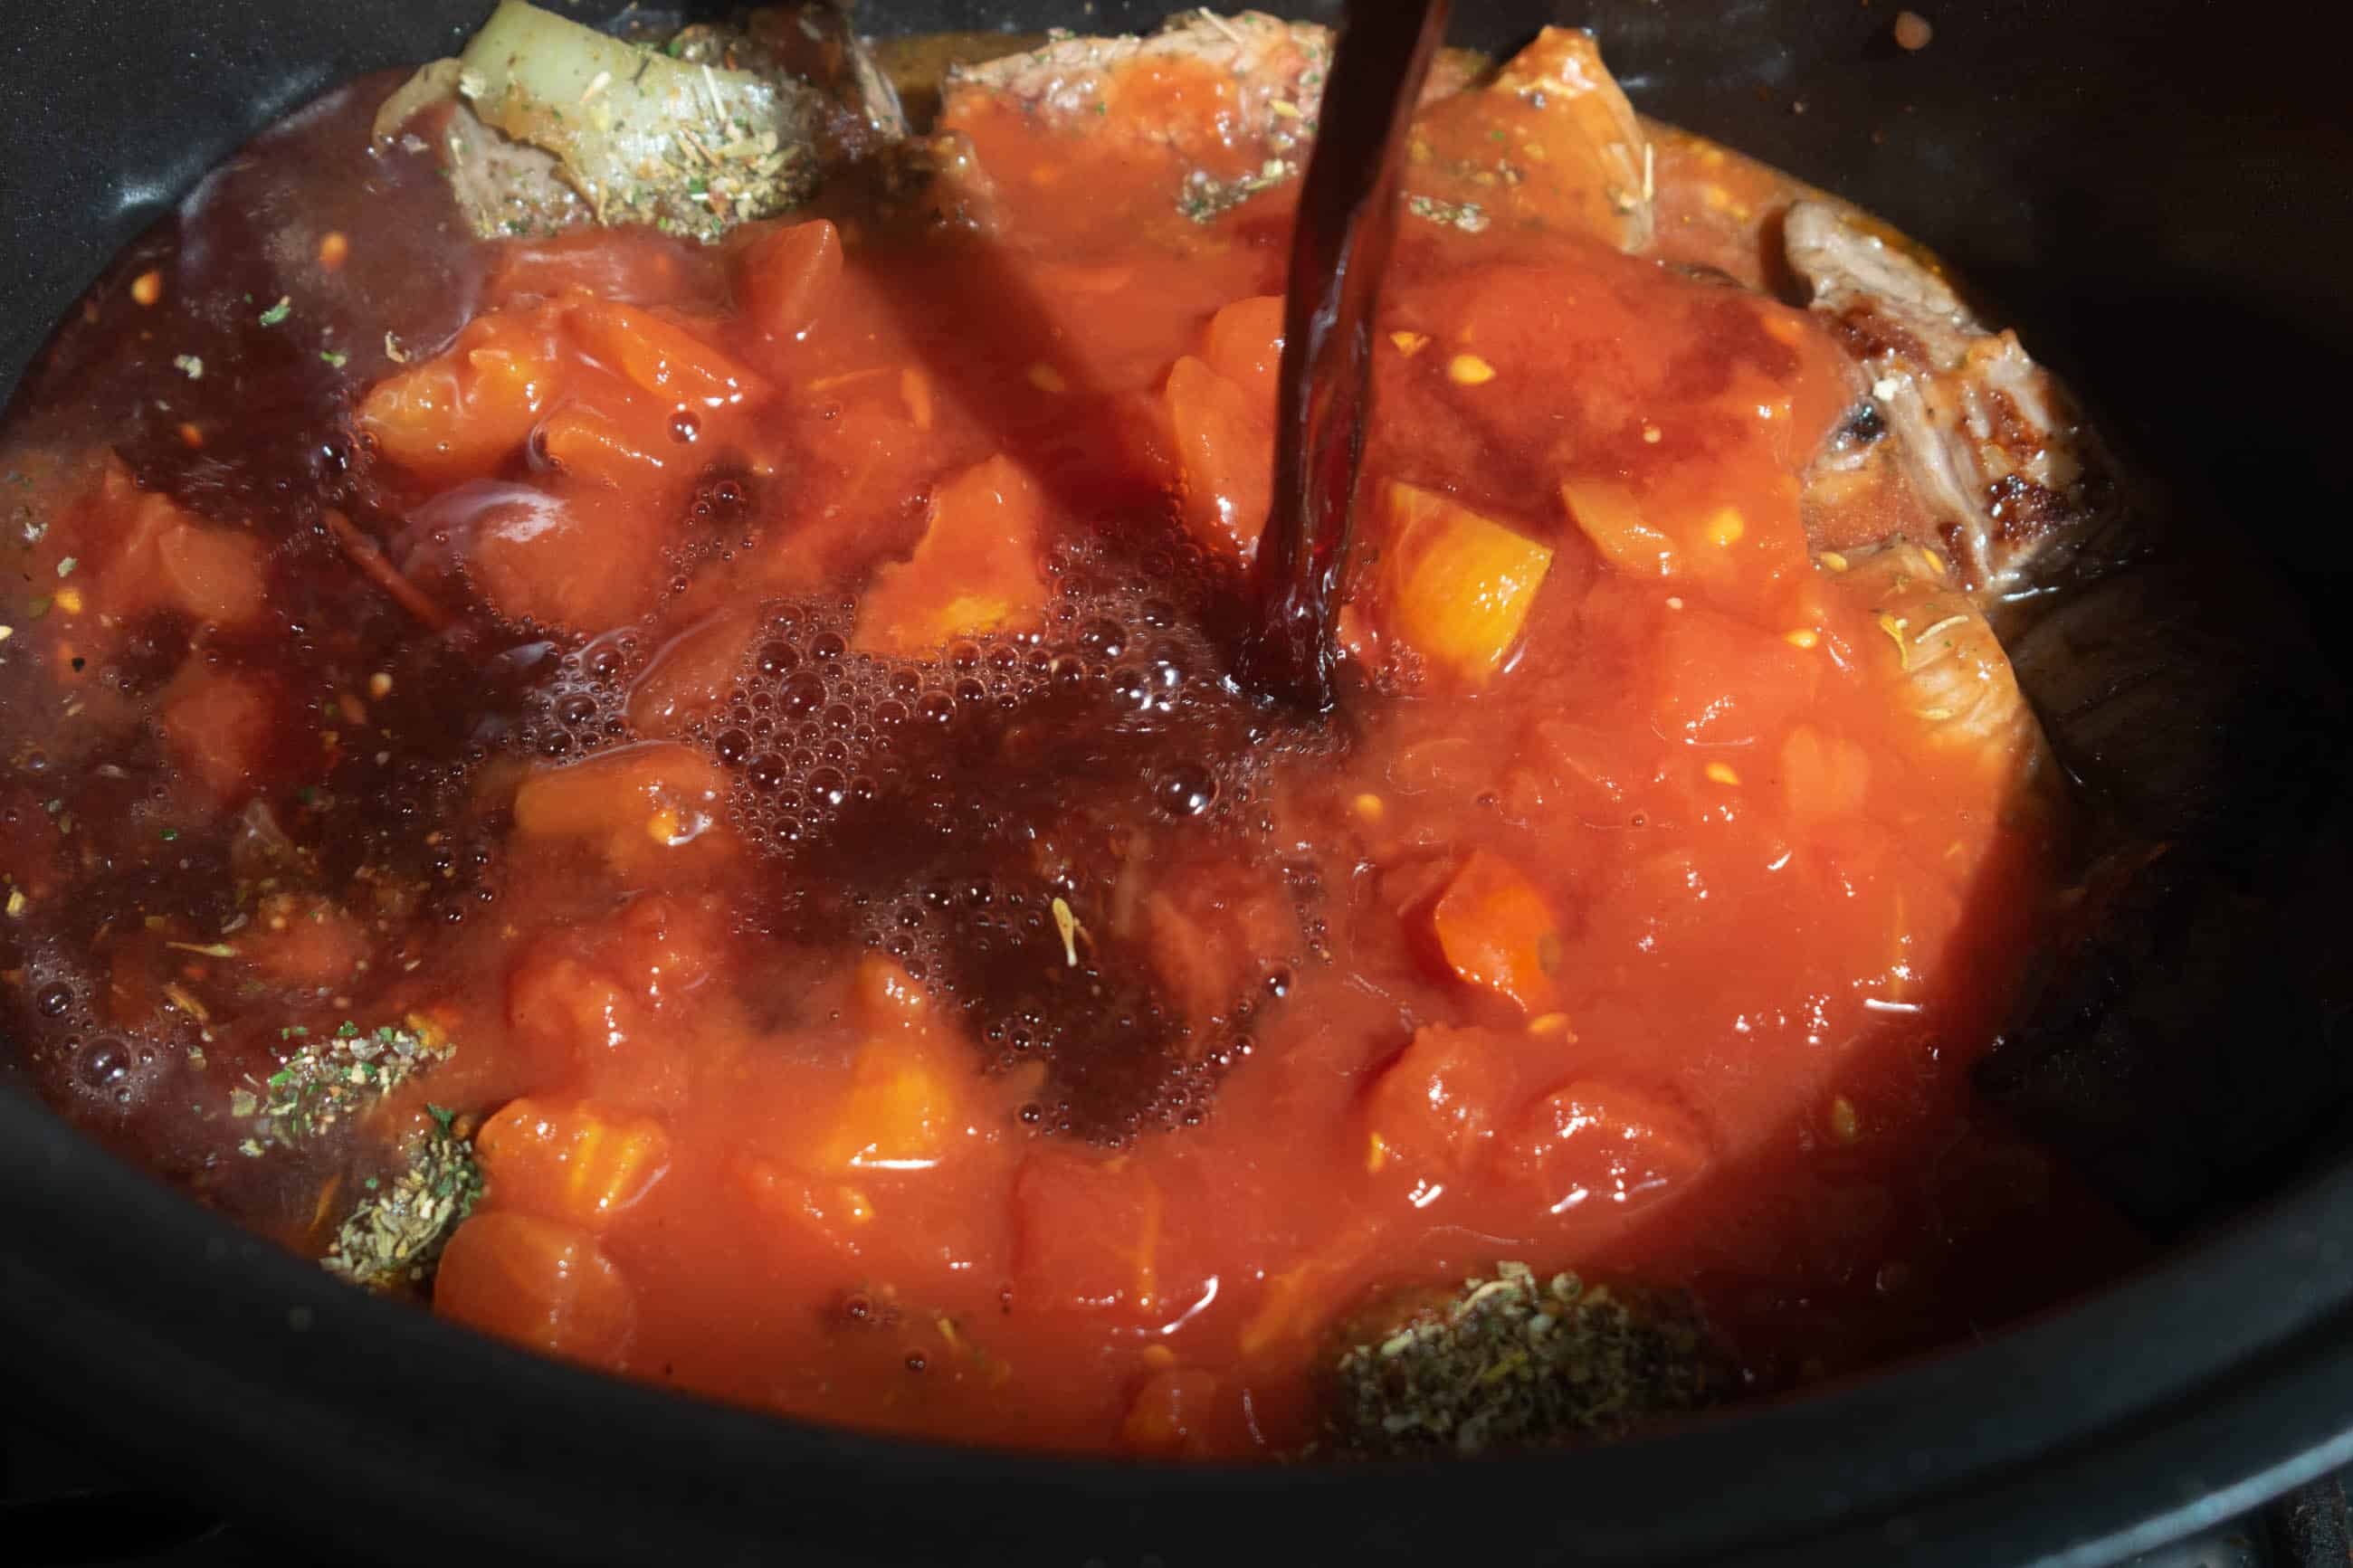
1347	221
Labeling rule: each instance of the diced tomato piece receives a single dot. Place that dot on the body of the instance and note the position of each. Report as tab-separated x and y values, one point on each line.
838	1214
785	274
1434	1107
1610	516
220	727
212	573
886	996
902	1111
1245	346
660	358
636	803
465	411
1087	1232
582	557
305	940
580	1162
538	1283
582	442
568	1013
1227	454
975	570
1823	776
1494	930
1605	1148
1457	587
1719	681
691	676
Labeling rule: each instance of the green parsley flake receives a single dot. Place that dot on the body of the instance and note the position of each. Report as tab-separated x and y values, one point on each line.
335	358
277	313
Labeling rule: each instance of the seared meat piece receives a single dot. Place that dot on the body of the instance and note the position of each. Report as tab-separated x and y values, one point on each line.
1248	130
1990	445
1576	159
1269	61
1572	155
542	124
1947	668
858	115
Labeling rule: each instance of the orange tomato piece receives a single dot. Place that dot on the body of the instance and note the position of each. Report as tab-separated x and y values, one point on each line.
1720	681
1495	931
580	441
219	727
301	939
212	573
691	676
1824	776
638	804
581	1163
1434	1107
1244	344
539	1283
1457	587
584	557
900	1113
974	571
1605	1148
1608	515
660	358
467	410
1087	1232
784	275
1225	453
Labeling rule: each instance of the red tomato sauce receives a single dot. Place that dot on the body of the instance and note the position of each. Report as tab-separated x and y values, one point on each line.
764	707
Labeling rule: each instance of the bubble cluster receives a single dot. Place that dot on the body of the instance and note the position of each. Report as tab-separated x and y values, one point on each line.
937	808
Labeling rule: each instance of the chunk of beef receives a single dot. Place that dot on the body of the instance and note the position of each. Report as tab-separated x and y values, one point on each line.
1992	447
1549	144
543	124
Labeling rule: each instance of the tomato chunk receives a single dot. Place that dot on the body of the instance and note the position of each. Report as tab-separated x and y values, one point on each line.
220	727
636	803
1245	345
660	358
581	1163
1226	451
539	1283
1605	1148
784	275
899	1113
1457	588
975	570
1087	1232
1495	931
464	411
1435	1107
